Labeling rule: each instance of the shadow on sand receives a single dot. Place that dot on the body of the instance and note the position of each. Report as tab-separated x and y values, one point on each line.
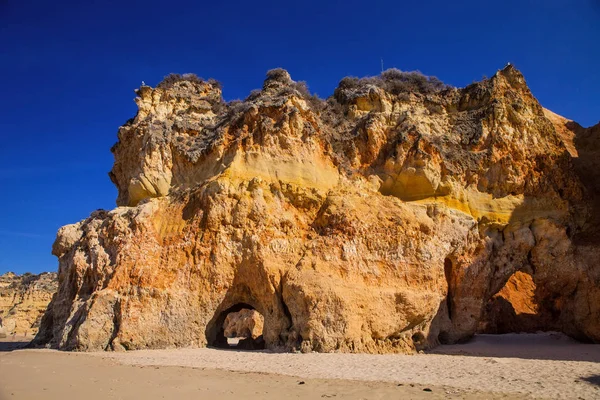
538	346
12	345
593	379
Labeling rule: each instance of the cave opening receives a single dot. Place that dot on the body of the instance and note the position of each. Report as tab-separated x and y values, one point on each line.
514	308
444	336
448	275
239	327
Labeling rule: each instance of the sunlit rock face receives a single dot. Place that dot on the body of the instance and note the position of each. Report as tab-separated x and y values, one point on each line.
385	219
245	323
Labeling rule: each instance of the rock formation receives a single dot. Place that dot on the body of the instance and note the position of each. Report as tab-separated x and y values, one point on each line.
23	301
245	323
514	308
384	219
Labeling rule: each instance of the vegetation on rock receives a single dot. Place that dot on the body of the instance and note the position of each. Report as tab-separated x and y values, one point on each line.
387	218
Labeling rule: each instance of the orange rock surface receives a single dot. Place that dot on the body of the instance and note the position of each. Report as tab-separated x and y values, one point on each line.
385	219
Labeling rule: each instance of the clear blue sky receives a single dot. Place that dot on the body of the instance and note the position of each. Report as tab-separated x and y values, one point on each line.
69	68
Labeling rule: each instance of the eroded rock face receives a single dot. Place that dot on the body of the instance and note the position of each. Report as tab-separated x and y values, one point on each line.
514	308
23	301
382	220
244	323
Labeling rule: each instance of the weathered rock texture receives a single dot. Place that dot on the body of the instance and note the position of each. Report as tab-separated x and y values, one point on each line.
23	301
514	308
244	323
385	219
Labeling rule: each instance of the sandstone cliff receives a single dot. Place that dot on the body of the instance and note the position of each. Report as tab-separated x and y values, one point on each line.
385	219
23	301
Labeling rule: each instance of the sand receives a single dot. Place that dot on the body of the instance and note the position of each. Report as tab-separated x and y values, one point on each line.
500	366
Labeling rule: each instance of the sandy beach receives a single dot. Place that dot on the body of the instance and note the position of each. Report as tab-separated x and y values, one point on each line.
490	366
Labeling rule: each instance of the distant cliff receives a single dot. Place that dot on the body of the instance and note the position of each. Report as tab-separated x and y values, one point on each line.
23	301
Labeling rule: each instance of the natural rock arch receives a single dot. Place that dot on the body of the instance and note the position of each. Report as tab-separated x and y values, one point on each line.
302	210
514	308
215	330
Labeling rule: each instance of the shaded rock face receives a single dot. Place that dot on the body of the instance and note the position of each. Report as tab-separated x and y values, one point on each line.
385	219
23	301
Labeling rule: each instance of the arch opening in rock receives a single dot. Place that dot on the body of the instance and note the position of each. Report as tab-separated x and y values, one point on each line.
444	335
239	327
514	308
448	275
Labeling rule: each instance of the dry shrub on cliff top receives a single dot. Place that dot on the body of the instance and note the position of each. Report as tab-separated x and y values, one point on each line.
279	75
396	82
313	100
393	81
280	79
170	80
